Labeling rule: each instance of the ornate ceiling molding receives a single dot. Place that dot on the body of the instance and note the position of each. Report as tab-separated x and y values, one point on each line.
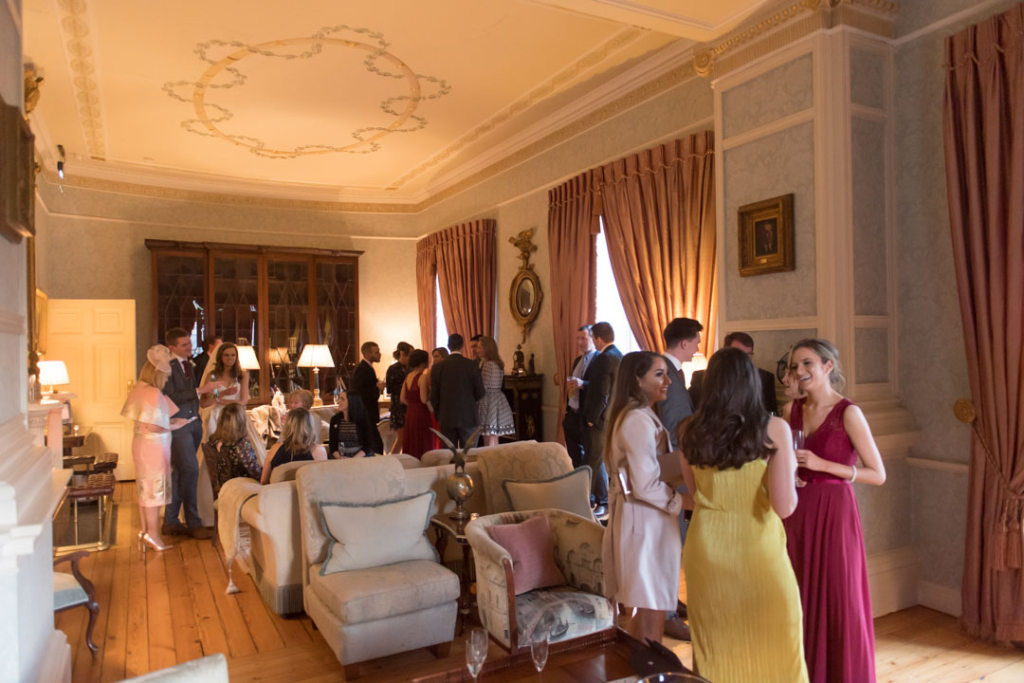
789	23
367	138
79	52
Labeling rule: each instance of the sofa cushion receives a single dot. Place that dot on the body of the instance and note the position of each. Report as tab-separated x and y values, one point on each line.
569	492
374	534
533	559
568	613
519	461
363	595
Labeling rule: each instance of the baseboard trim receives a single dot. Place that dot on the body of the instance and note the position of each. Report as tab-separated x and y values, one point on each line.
893	576
940	598
57	661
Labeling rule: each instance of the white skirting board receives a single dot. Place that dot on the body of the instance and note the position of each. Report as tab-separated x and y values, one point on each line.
893	576
940	598
57	663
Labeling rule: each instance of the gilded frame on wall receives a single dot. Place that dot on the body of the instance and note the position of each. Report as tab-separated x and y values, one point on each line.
766	236
40	323
525	294
17	175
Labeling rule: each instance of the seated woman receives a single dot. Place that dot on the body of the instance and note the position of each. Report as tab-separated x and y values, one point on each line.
299	442
231	439
351	434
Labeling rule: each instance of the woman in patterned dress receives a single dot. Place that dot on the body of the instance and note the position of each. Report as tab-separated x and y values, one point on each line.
231	439
494	410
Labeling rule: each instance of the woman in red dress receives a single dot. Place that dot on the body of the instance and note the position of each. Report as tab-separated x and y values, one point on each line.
824	538
418	420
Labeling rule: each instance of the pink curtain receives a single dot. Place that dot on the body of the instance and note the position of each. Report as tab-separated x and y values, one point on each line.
426	273
573	210
659	218
467	276
984	147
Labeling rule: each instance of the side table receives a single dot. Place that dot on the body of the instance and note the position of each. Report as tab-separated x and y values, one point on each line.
445	527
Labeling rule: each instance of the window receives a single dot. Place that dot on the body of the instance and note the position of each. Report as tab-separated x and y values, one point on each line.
441	338
609	305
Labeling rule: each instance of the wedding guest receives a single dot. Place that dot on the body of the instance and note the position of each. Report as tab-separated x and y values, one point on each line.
299	398
393	380
641	550
739	463
745	343
475	352
231	438
299	441
454	393
151	445
573	424
350	433
183	389
494	411
438	355
418	420
599	389
366	386
209	348
225	369
823	536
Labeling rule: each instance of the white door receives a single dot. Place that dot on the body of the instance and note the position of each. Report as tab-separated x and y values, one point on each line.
96	340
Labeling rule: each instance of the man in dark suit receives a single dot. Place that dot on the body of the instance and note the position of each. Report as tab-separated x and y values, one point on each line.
367	387
182	389
573	425
209	349
594	401
745	343
454	392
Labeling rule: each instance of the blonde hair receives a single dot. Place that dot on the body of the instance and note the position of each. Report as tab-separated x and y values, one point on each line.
298	434
153	377
826	351
231	425
303	396
490	350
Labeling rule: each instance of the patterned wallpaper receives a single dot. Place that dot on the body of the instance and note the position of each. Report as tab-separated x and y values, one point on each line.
869	191
780	92
867	78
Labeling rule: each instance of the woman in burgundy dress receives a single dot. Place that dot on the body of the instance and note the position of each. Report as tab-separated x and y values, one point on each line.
418	420
824	538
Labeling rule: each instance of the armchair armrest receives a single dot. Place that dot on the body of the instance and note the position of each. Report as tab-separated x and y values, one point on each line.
495	592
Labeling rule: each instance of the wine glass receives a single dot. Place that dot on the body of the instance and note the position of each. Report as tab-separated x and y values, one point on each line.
539	648
476	651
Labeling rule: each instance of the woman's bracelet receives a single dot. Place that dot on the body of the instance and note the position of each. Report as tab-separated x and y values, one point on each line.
854	477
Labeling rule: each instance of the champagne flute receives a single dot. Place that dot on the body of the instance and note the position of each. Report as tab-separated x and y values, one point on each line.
798	439
539	648
476	651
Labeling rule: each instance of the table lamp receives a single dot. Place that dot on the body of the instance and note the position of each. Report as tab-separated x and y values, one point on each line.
316	356
247	358
53	372
698	362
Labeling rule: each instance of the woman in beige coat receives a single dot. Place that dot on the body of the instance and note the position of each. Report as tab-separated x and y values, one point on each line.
642	547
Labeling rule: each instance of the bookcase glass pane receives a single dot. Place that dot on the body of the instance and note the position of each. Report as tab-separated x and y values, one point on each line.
288	326
236	305
180	301
336	320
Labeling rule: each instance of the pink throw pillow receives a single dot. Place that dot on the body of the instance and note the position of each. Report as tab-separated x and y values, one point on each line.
533	558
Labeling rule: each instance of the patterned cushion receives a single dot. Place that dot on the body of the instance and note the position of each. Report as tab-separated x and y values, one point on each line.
570	613
67	592
365	595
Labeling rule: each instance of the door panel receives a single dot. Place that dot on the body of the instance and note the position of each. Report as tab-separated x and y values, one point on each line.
96	340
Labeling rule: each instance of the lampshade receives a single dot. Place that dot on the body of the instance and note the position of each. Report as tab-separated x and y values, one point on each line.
53	372
247	358
279	355
316	356
699	362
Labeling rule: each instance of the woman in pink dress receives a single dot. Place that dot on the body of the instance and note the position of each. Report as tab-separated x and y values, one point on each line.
418	420
823	536
151	445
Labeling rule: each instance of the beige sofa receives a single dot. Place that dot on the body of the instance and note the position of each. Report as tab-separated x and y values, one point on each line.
273	515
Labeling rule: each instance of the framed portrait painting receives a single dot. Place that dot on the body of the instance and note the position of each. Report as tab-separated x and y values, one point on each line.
766	236
17	174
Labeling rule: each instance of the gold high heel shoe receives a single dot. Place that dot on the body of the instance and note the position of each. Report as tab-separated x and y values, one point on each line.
145	539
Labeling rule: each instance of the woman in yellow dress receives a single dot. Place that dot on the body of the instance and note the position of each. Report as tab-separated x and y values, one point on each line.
742	595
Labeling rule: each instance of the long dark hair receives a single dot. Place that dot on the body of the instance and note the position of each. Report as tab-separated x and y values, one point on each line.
218	365
731	427
626	393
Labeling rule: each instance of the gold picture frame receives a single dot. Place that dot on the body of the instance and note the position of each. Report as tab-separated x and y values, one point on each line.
766	237
17	175
525	294
40	322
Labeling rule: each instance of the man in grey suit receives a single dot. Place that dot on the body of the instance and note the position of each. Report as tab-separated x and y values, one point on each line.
594	399
454	393
182	389
573	425
682	339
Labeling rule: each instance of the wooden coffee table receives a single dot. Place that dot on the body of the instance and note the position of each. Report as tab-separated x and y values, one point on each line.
603	661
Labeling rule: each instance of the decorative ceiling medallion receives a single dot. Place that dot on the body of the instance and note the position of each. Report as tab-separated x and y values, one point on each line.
79	53
367	139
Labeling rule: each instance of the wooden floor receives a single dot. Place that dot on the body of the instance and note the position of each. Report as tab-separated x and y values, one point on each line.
172	608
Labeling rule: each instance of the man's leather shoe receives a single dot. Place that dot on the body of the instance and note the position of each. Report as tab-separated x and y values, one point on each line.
680	609
601	511
200	532
677	629
173	530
